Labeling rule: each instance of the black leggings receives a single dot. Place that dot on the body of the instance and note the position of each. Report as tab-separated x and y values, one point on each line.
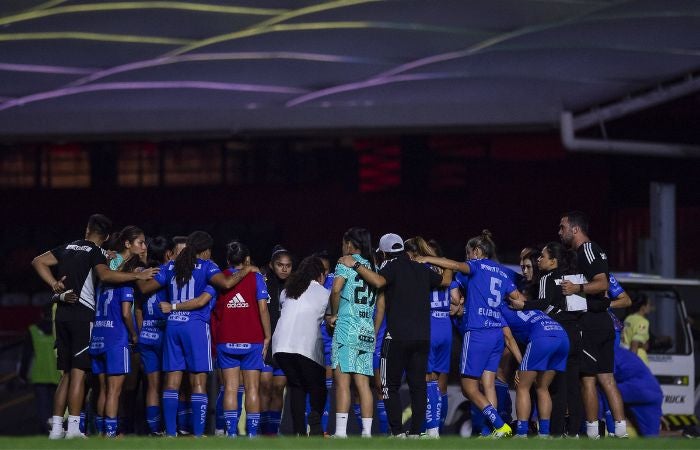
304	376
566	388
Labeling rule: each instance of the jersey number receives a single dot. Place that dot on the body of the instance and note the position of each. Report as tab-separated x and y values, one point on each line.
441	298
150	303
110	295
496	291
362	294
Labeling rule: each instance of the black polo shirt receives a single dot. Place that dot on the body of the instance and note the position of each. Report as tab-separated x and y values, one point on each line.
591	260
407	294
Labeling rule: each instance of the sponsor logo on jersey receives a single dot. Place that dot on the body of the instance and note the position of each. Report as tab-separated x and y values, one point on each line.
80	248
237	302
239	346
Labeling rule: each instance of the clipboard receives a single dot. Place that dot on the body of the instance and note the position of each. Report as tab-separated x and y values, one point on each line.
574	302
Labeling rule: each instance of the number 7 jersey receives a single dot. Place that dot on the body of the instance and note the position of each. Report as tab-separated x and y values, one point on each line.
487	286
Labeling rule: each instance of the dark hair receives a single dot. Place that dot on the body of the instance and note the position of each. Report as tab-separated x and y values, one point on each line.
577	219
298	282
197	242
278	251
128	233
485	242
419	246
361	240
566	258
436	247
638	302
100	225
236	253
175	241
157	248
322	254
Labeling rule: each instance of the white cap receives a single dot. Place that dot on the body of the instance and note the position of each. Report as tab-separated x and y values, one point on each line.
391	243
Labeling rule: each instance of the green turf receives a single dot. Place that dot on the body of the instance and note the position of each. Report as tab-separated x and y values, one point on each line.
352	443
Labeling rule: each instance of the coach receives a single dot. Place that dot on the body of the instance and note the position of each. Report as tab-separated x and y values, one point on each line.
597	332
407	340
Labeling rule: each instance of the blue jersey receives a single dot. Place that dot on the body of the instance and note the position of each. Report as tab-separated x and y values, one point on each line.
109	329
527	325
153	317
614	288
204	270
440	298
487	286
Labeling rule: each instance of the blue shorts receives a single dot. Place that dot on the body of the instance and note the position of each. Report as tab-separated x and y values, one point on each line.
245	356
482	350
151	357
187	347
546	353
440	342
111	361
276	371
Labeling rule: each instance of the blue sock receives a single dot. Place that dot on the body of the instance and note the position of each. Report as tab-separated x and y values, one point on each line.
478	420
252	424
358	414
544	426
485	430
505	406
170	413
492	415
82	422
307	410
383	418
327	406
182	422
264	425
231	423
523	426
110	427
99	424
239	399
443	410
220	421
432	411
153	418
275	418
609	422
199	413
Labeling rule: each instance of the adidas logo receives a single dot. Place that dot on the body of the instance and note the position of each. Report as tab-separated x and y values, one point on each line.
237	302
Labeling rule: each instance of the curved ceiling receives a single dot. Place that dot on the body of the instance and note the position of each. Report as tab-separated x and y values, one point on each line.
212	66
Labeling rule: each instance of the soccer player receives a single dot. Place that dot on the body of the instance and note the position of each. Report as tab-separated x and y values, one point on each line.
440	339
597	332
488	285
187	337
79	265
272	379
352	309
112	334
546	353
241	326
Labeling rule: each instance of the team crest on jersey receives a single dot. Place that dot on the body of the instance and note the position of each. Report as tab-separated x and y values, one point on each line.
237	302
603	255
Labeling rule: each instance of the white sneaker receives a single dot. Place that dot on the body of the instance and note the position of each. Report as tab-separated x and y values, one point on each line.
75	435
219	433
55	436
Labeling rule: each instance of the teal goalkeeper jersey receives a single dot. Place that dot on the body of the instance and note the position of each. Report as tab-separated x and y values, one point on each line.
355	324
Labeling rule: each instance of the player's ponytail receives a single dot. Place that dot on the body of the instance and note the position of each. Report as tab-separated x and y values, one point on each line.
197	242
484	242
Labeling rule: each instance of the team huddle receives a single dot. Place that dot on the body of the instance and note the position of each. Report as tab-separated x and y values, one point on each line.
359	328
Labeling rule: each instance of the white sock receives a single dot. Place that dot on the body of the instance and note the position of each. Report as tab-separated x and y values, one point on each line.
366	426
433	432
592	429
341	424
56	424
74	424
620	428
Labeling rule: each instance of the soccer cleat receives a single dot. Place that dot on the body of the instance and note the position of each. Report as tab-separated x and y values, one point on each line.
55	436
75	435
504	431
520	436
219	433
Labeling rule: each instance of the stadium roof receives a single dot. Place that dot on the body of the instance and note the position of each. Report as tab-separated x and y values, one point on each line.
222	67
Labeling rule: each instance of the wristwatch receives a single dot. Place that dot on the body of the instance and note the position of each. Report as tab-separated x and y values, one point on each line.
356	265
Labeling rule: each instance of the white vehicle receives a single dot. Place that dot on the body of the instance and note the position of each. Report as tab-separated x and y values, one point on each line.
671	350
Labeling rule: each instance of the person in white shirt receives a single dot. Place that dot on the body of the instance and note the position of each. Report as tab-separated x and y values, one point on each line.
297	344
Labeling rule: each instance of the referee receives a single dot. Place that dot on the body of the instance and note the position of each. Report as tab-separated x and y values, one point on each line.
79	264
597	332
407	340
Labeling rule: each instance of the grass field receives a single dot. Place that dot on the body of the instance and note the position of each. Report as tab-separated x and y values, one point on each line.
41	442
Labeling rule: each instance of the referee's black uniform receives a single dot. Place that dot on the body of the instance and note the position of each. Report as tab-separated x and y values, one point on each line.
407	339
597	330
76	261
